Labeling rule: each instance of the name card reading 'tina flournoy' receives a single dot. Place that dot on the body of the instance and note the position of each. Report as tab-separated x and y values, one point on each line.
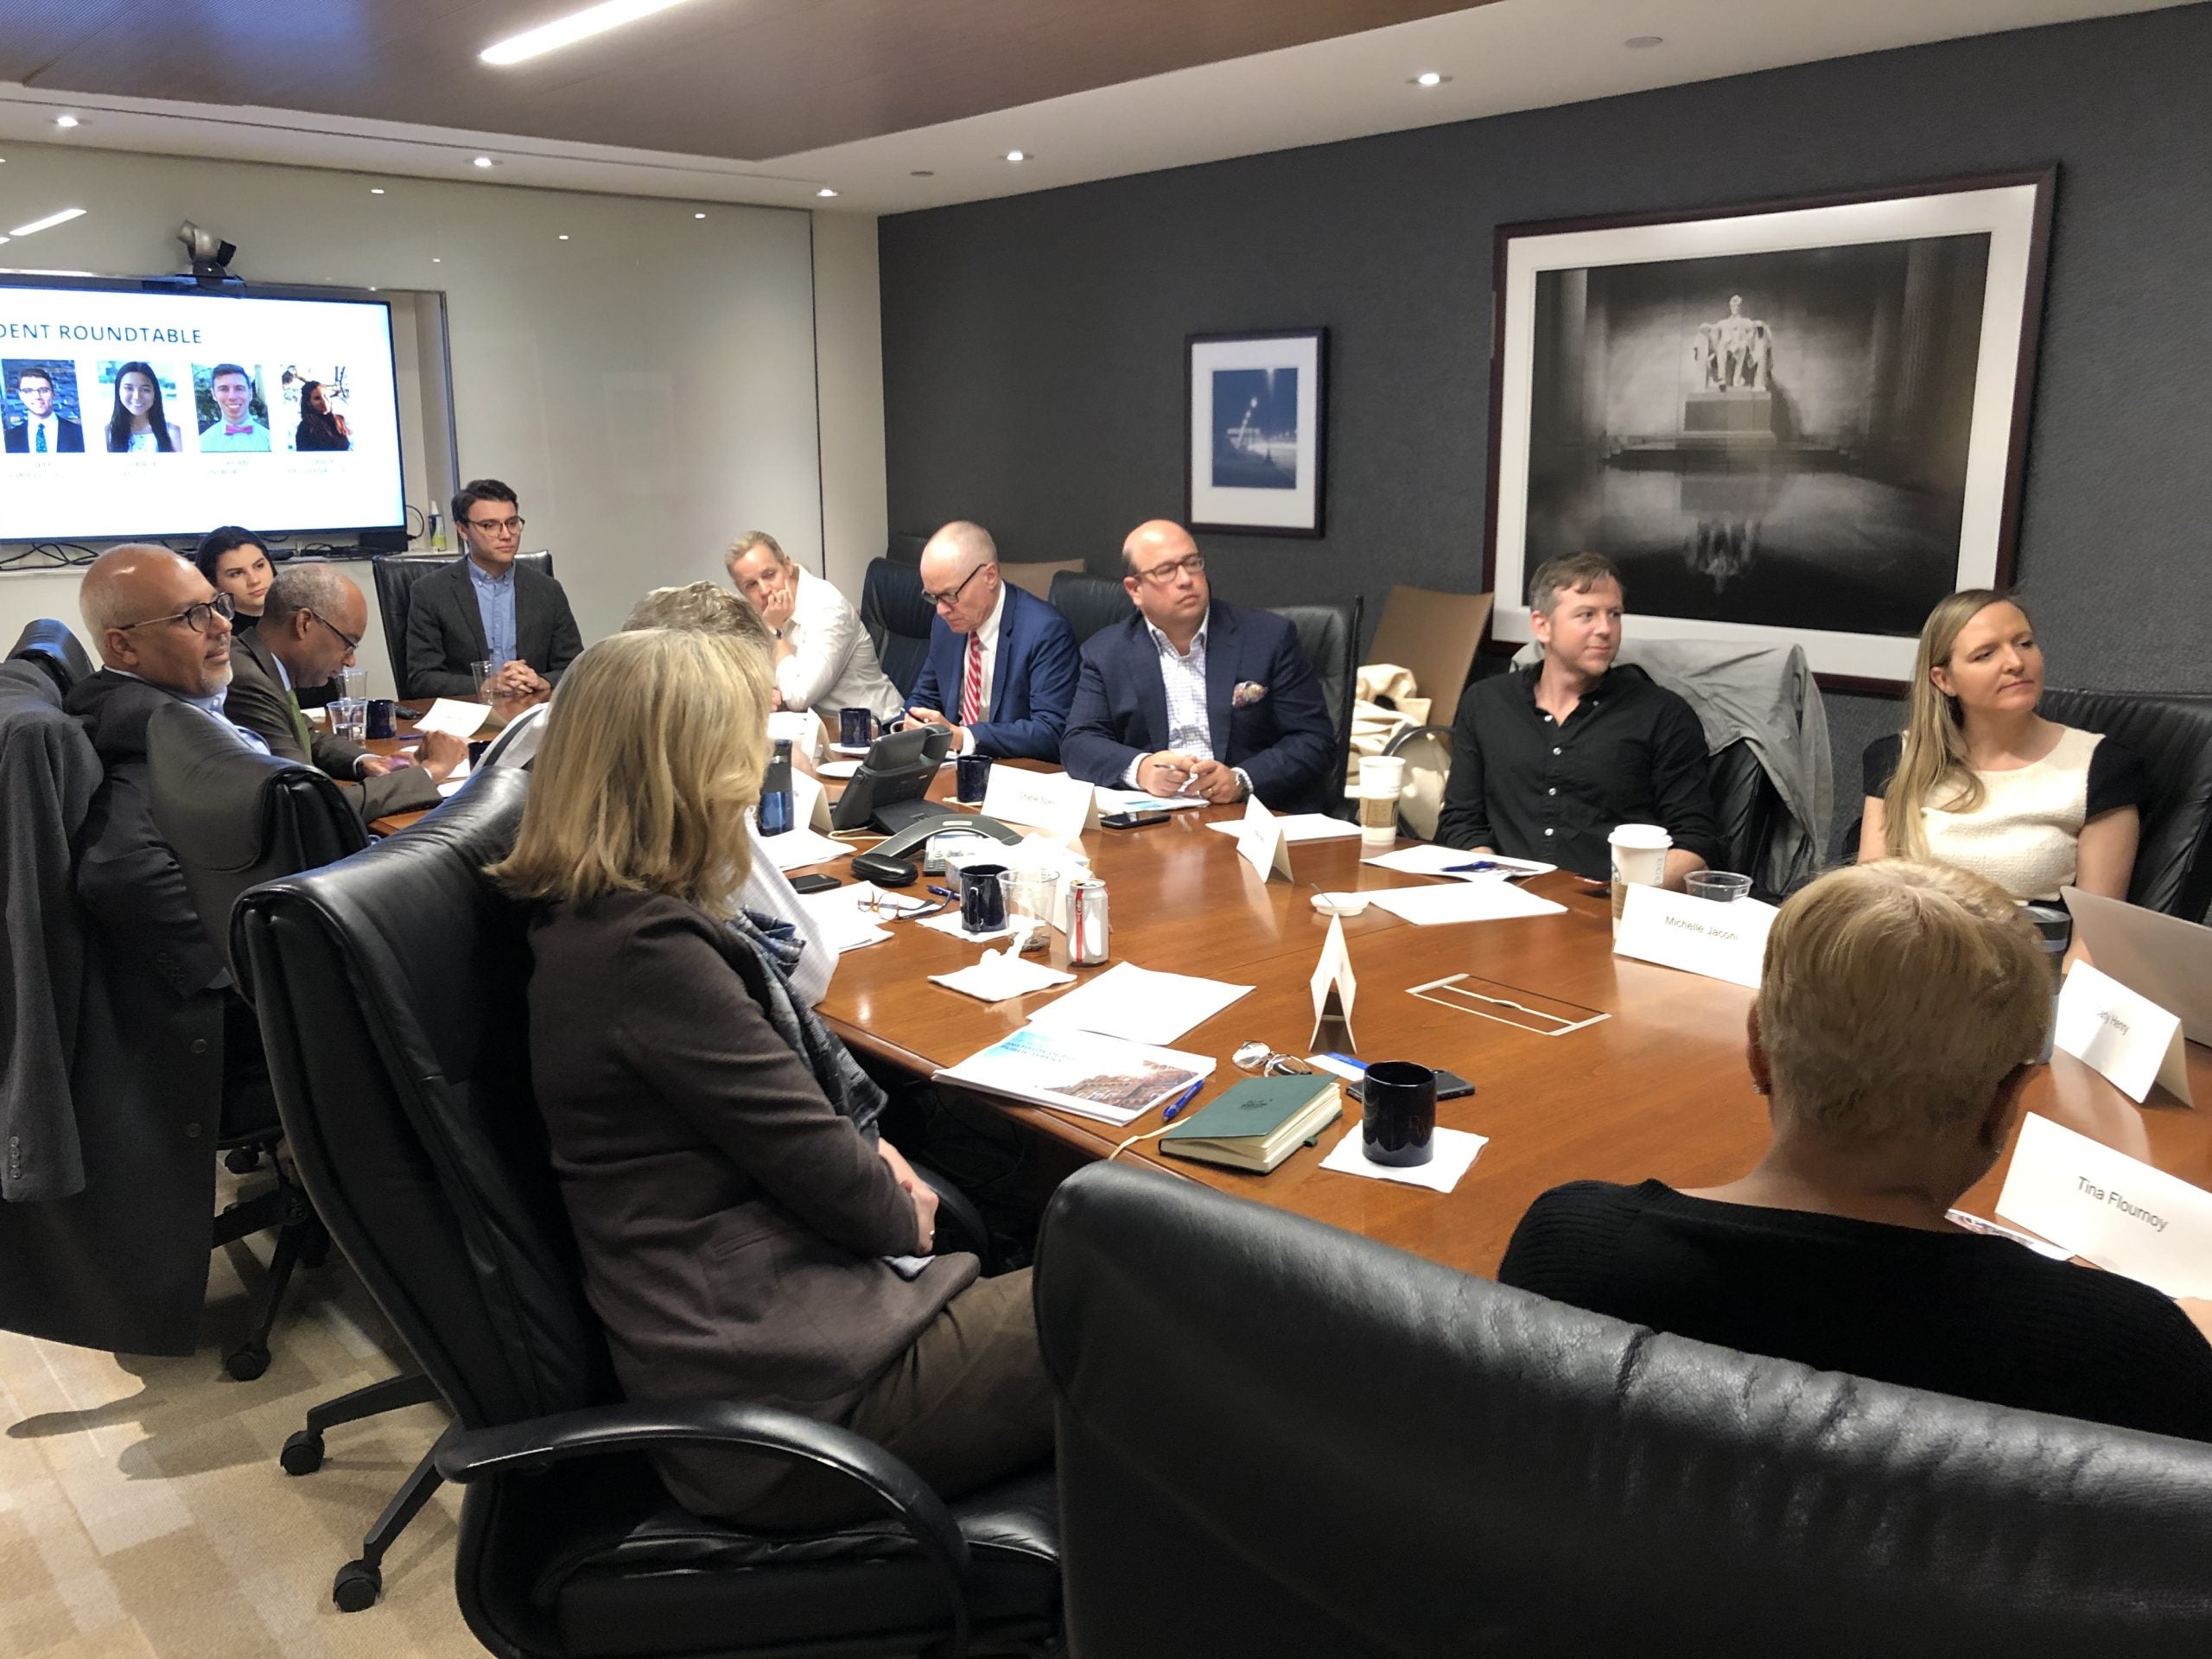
2110	1209
1695	935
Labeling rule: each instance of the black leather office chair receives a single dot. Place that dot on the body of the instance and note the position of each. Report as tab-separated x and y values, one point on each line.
52	645
1329	634
392	991
1277	1440
395	574
2173	735
898	620
905	549
1090	603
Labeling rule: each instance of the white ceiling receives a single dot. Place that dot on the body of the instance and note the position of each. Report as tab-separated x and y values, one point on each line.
1513	54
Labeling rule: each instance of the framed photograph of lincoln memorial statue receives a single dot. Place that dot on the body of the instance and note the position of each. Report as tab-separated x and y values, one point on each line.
1787	422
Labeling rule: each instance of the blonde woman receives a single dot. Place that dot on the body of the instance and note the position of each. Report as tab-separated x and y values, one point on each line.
746	1232
1887	1103
1981	780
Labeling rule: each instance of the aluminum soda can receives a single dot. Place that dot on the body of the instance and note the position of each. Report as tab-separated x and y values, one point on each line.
1086	922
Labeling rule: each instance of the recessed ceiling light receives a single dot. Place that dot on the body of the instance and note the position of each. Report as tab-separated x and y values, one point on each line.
48	222
825	191
483	160
6	238
564	236
376	190
435	260
566	31
1639	42
923	173
66	121
698	215
1430	77
1016	156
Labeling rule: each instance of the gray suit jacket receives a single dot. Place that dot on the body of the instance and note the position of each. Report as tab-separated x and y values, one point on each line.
259	702
445	630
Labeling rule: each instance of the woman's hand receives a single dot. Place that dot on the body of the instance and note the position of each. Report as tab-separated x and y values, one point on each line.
924	1195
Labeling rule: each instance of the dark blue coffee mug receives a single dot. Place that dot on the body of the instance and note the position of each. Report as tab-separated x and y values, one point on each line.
384	714
855	727
476	752
1400	1127
971	777
982	897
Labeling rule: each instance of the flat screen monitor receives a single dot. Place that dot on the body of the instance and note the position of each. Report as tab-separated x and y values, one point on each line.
131	410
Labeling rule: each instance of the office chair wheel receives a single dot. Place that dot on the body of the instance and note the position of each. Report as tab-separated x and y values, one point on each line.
246	1361
302	1453
357	1586
242	1161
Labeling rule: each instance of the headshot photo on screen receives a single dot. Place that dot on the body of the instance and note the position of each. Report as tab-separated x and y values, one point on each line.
319	407
140	396
39	407
233	418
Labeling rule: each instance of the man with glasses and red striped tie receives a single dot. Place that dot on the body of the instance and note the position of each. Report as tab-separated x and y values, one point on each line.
1001	668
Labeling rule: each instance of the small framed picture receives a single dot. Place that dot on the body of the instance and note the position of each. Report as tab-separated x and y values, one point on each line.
1254	431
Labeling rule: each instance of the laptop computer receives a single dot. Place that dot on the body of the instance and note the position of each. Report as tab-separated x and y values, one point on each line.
2153	954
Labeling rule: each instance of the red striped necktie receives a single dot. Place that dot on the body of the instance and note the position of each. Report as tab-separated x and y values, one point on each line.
972	688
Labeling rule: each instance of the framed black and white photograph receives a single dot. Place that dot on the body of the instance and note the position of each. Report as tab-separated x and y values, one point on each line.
1798	422
1253	439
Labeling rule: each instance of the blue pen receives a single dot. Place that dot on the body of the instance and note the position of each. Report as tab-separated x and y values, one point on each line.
1467	869
1167	1112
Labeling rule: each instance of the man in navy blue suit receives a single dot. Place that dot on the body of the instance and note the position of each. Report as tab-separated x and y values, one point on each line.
1001	670
1195	696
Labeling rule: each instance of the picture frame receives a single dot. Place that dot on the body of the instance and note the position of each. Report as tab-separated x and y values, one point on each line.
1787	423
1254	431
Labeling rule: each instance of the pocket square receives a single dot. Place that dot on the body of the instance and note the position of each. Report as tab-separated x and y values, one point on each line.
1247	693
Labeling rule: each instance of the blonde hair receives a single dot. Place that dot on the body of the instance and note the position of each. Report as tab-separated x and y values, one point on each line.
703	608
1932	760
1897	996
654	749
749	540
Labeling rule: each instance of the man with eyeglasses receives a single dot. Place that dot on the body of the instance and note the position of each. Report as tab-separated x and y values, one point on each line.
823	657
311	623
1193	696
487	607
1001	667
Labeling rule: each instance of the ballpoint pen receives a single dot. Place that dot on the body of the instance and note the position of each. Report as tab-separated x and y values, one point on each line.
1168	1112
1466	869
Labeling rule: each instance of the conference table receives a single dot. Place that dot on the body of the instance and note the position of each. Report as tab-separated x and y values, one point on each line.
1658	1088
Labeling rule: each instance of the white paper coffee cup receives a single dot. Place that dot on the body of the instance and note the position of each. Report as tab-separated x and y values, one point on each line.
1639	854
1381	781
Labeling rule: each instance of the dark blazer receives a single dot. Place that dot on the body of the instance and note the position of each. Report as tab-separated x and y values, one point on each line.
259	702
1033	682
1282	739
68	438
731	1222
445	630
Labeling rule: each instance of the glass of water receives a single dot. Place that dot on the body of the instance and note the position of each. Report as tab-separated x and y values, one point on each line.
349	719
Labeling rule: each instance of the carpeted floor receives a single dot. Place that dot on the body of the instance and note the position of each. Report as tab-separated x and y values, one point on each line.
143	1511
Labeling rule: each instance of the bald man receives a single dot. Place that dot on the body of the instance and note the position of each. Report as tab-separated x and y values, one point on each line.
1193	695
1001	667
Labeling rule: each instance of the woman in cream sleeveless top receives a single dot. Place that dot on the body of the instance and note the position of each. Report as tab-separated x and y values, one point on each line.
1980	780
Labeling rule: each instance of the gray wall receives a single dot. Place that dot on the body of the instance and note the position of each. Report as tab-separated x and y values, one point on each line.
1034	346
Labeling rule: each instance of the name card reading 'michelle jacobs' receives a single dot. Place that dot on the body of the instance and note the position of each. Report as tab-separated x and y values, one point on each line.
1727	942
2110	1209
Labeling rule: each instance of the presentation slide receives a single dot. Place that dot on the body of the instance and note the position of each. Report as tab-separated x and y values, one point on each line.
127	413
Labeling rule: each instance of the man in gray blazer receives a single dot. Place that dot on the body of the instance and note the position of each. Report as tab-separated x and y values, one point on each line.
311	622
487	607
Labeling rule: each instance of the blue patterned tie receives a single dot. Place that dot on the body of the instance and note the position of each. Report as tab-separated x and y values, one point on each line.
42	440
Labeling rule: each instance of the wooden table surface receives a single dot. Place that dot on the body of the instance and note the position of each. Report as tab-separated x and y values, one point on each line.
1657	1089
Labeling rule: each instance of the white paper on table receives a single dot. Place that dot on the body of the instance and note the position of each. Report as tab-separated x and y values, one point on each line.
999	975
1298	827
837	768
1698	936
1260	841
1135	800
1140	1006
1053	802
1047	1068
837	919
2129	1038
1454	1155
950	924
797	849
1431	860
454	778
2115	1210
462	720
1495	899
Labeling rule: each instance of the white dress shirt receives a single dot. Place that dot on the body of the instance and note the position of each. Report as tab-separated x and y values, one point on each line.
988	634
831	665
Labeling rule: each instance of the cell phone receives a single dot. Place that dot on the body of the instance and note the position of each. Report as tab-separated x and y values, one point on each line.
1449	1085
814	883
1132	820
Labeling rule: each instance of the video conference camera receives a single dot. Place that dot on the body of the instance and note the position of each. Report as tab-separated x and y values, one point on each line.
211	256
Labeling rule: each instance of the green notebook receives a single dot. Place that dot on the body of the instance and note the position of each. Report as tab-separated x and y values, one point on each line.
1259	1123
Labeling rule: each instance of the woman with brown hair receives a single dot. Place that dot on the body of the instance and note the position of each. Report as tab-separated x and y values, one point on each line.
746	1232
1979	779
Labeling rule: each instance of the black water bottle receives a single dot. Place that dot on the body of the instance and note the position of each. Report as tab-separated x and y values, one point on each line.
776	809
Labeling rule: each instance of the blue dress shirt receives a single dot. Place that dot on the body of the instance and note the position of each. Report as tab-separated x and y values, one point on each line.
495	603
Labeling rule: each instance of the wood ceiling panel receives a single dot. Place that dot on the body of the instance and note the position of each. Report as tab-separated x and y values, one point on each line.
746	80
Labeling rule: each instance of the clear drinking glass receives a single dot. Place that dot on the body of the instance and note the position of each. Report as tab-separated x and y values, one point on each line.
1722	887
349	719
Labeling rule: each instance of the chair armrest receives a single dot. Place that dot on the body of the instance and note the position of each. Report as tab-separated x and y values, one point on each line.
538	1443
957	1214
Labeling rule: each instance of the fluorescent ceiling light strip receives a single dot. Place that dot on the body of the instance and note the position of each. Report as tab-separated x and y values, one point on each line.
566	31
48	222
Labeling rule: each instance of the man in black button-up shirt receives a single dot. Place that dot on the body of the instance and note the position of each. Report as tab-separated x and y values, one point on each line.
1546	760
